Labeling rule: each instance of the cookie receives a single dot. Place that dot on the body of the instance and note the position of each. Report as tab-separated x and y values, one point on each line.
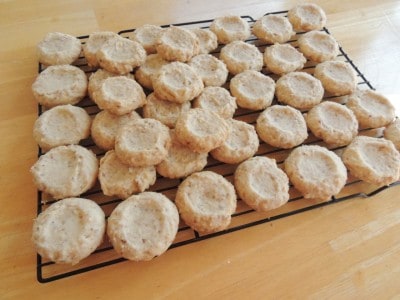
306	17
211	70
240	56
69	230
373	160
318	46
58	85
95	41
207	40
230	28
206	201
261	184
241	144
147	71
316	172
332	122
299	89
142	142
273	29
253	90
218	100
61	125
147	35
65	171
58	49
283	58
282	126
392	133
143	226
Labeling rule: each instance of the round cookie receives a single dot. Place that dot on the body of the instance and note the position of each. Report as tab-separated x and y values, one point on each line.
240	56
282	126
206	201
332	122
253	90
306	17
65	171
143	226
299	89
146	72
373	160
230	28
283	58
69	230
273	29
95	81
95	41
316	172
207	40
58	49
212	71
318	46
58	85
61	125
261	184
392	133
241	144
147	35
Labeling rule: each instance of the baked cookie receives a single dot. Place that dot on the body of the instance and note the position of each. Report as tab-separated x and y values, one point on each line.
181	161
142	142
273	29
372	109
240	56
69	230
207	40
177	44
212	71
282	126
177	82
201	130
392	133
61	125
146	72
230	28
147	35
118	179
318	46
206	201
65	171
95	41
316	172
299	89
143	226
218	100
105	127
241	144
283	58
373	160
58	49
306	17
253	90
57	85
166	112
95	81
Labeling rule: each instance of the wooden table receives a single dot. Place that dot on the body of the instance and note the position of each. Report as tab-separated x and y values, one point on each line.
346	250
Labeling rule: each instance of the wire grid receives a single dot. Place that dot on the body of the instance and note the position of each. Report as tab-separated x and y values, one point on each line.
244	217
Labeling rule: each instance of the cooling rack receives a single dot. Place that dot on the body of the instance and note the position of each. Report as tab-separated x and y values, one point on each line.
244	217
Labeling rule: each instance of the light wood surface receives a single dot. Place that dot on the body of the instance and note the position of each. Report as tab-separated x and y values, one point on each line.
349	250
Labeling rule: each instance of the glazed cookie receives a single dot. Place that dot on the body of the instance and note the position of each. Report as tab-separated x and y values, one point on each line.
283	58
273	29
201	130
261	184
95	41
118	179
240	56
242	143
148	35
206	201
253	90
372	109
69	230
143	226
177	82
142	142
318	46
282	126
65	171
332	122
207	40
373	160
306	17
181	161
212	71
316	172
177	44
58	49
299	89
57	85
392	133
61	125
230	28
218	100
146	72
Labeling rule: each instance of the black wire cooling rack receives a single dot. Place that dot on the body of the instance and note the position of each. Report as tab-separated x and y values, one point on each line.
244	217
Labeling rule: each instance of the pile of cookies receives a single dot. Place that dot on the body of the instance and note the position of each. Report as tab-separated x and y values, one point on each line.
186	105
